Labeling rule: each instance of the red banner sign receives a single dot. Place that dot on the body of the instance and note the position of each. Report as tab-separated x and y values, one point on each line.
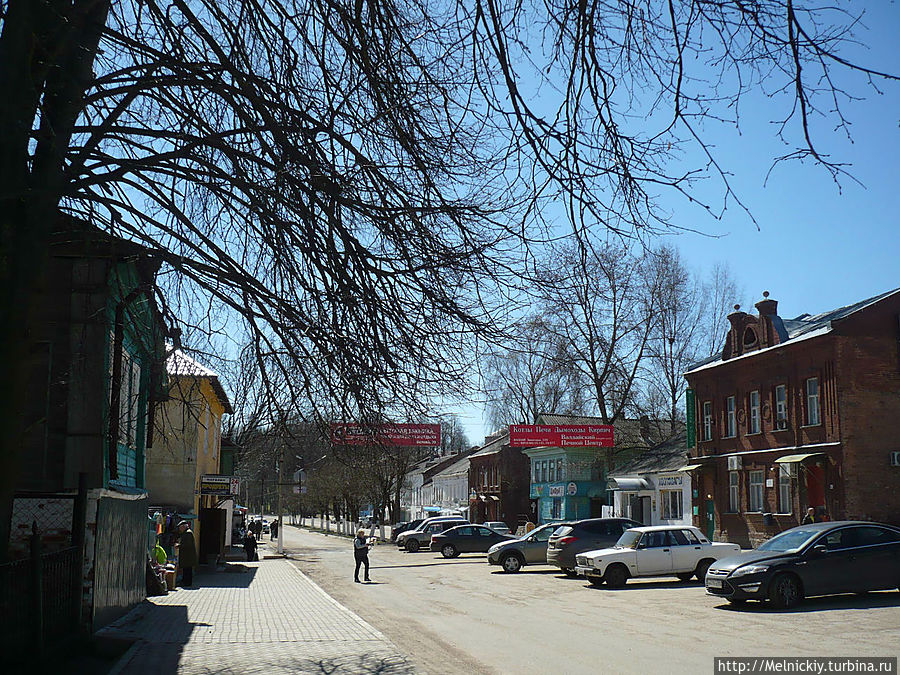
420	435
561	435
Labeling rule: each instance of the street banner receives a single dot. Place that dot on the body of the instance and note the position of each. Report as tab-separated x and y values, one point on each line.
221	486
561	435
416	435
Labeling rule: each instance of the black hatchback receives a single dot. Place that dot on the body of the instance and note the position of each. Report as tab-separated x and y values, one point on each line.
584	535
815	559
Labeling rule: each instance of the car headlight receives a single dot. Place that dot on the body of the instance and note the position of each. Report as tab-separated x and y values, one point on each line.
749	569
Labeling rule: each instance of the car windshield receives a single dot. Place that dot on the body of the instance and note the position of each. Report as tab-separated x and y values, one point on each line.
788	541
628	539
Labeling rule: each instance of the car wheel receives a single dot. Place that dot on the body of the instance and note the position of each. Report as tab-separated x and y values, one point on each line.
569	572
449	551
785	592
511	562
596	582
412	545
702	568
685	576
616	576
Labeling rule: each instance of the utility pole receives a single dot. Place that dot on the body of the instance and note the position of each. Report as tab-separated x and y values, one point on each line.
280	549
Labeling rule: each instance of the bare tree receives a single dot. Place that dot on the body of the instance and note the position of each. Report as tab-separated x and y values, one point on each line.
453	437
352	179
722	293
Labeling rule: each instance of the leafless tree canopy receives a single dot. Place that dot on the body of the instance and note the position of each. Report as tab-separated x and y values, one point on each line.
357	180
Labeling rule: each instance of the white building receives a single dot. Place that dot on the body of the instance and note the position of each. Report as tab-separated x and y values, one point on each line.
652	488
451	488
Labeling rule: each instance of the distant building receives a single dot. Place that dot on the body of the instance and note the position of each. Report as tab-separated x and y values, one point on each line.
450	488
798	413
498	483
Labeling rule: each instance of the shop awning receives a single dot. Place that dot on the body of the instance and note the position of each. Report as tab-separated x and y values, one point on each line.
494	498
690	467
790	459
432	509
629	484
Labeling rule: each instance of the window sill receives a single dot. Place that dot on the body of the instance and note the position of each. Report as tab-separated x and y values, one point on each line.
780	431
756	433
810	426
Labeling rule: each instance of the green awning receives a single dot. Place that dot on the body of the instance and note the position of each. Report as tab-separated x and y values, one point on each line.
690	467
791	459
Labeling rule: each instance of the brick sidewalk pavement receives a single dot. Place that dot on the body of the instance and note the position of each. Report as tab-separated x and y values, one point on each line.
271	619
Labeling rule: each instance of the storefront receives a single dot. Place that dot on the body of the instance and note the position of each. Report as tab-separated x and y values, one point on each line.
566	483
653	498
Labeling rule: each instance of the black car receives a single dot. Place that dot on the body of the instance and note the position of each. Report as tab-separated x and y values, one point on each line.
584	535
466	539
815	559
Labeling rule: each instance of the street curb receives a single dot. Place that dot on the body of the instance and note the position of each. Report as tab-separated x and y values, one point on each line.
126	658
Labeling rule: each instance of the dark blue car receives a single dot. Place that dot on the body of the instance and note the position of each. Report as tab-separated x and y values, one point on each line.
815	559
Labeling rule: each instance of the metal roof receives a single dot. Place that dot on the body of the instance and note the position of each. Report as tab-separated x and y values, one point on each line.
179	364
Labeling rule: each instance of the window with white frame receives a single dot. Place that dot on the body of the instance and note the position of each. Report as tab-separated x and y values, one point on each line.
812	401
756	491
781	407
671	504
730	422
707	420
551	472
559	469
537	471
556	509
544	471
754	412
734	492
785	503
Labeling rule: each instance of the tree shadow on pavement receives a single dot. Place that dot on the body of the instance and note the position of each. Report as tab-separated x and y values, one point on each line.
874	600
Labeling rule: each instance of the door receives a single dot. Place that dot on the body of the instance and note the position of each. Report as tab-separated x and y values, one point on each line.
832	570
654	554
875	558
710	519
535	547
686	550
646	514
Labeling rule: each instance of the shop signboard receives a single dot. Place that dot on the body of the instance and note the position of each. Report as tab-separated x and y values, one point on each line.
690	404
561	435
669	481
557	490
220	486
572	489
410	435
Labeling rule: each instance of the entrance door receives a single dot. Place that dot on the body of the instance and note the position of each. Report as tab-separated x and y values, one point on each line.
815	485
710	519
646	515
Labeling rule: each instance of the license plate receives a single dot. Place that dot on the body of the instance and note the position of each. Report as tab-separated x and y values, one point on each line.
714	583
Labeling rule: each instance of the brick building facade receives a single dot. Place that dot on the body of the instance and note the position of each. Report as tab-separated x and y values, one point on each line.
798	413
499	483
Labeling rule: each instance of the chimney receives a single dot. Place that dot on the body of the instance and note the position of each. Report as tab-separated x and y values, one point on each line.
767	307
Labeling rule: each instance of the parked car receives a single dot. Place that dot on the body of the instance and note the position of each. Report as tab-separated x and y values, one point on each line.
265	526
529	549
397	528
422	522
413	540
660	551
815	559
466	539
584	535
497	526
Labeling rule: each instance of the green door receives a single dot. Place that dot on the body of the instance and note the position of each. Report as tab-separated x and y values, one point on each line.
710	519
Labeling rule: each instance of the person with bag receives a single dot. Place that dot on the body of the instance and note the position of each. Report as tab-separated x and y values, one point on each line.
361	553
250	546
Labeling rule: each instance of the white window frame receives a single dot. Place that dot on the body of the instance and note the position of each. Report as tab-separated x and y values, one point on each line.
754	412
537	471
756	481
672	504
707	420
734	492
780	404
813	415
785	496
730	418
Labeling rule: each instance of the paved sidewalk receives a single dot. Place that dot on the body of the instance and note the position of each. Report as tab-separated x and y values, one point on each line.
271	619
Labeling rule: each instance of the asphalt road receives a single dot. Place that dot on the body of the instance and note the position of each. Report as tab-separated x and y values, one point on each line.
463	615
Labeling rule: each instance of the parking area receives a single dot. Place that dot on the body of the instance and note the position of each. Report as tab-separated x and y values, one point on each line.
450	615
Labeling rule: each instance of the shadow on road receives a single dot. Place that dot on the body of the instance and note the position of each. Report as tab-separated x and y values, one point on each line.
638	585
439	561
875	600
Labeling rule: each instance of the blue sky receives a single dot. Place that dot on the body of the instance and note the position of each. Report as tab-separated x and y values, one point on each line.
819	245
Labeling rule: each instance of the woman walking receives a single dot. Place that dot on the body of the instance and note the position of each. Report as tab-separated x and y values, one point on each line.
361	553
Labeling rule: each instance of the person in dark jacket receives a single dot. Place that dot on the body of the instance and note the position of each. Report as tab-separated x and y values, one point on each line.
250	546
273	528
810	517
361	553
187	553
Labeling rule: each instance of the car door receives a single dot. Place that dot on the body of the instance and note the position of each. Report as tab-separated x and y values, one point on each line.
462	539
828	564
685	550
484	538
654	554
535	546
875	558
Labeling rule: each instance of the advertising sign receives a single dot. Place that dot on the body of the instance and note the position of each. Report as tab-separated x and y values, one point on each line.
220	486
690	405
561	435
417	435
557	490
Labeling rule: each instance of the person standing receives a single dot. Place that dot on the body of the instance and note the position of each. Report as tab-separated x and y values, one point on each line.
274	528
361	553
250	546
810	516
187	553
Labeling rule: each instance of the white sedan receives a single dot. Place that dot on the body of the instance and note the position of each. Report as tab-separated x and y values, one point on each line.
659	551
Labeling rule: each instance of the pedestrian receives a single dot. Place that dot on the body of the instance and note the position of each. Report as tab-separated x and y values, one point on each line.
810	516
187	553
160	553
274	528
361	553
250	546
257	529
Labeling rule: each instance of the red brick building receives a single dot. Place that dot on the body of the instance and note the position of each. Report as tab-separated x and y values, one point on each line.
499	483
797	413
